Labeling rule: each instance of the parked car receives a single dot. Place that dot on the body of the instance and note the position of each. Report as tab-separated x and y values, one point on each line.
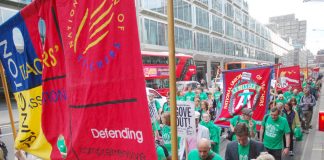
183	85
157	96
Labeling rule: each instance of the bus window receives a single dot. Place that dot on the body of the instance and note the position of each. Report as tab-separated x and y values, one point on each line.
234	66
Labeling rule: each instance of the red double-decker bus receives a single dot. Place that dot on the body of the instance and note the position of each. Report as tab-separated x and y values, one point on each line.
156	69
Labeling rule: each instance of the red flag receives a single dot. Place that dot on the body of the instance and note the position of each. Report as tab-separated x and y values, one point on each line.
108	109
288	76
247	88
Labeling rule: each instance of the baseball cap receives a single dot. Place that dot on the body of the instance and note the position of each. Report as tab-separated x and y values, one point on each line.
197	114
247	111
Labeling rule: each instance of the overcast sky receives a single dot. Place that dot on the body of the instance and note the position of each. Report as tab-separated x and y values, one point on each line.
312	12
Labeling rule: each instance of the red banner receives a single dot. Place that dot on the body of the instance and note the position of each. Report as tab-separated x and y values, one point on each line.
288	76
247	88
108	109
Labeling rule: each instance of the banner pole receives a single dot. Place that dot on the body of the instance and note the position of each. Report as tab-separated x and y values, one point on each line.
277	75
9	106
172	81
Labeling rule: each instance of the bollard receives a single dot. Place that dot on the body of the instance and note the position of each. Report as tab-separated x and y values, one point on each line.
321	121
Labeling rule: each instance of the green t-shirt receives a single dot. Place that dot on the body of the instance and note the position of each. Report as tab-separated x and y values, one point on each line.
181	98
194	155
203	96
166	107
236	120
297	97
304	84
274	131
283	101
166	136
157	105
214	132
243	151
160	153
217	95
190	96
288	95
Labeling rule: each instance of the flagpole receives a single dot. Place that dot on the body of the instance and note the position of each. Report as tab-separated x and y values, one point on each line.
172	81
6	92
277	75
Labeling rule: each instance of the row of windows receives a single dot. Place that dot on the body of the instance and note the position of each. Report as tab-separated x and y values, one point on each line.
183	11
155	34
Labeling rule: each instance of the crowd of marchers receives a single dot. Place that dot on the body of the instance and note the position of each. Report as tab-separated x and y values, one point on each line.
287	119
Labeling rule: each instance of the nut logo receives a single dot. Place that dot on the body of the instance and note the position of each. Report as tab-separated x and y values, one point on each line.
98	21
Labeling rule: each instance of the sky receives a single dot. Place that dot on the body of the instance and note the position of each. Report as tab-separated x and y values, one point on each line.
312	12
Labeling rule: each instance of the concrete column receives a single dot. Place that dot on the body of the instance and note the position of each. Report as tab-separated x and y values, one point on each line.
222	64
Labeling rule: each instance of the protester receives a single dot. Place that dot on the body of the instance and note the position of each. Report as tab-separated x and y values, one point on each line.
203	151
201	93
272	130
201	132
281	99
307	103
244	148
296	95
214	131
180	96
1	155
197	104
296	107
166	131
293	122
190	95
155	117
217	93
288	94
265	156
166	105
246	118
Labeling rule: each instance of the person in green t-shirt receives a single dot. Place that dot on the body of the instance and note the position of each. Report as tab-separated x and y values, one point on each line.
246	118
272	130
203	151
281	99
166	131
201	93
180	96
166	105
197	104
214	132
217	94
190	95
160	152
287	95
296	95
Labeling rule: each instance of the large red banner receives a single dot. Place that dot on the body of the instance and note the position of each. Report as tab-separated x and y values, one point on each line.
288	76
246	88
108	109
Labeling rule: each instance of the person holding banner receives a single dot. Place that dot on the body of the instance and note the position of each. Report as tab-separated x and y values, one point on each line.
246	118
288	94
154	106
203	151
244	148
214	131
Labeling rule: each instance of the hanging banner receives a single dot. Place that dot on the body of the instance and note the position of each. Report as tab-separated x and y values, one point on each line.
108	110
288	76
23	70
246	88
186	125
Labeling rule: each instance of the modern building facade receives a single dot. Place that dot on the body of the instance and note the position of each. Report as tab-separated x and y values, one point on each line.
212	31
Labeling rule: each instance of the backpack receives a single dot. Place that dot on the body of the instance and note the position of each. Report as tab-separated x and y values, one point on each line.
4	149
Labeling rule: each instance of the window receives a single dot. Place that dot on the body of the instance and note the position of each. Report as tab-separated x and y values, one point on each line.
246	36
238	33
229	29
202	18
217	24
238	50
182	10
252	24
183	38
238	2
229	48
217	5
229	11
257	41
238	15
246	20
252	39
218	46
159	6
155	33
156	60
203	1
203	42
258	28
